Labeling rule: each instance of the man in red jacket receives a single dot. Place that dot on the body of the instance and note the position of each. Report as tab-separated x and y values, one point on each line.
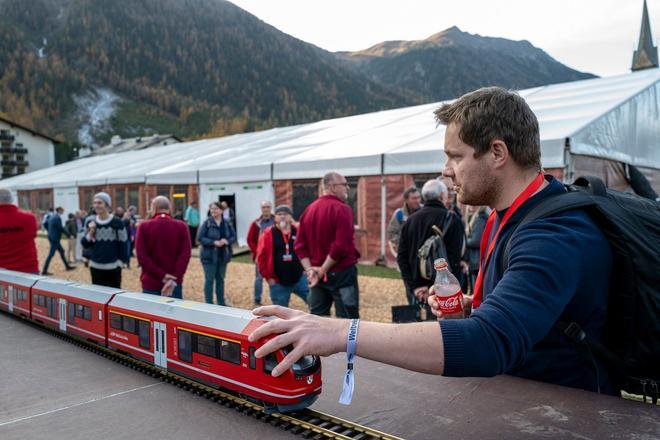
257	228
163	250
326	248
18	230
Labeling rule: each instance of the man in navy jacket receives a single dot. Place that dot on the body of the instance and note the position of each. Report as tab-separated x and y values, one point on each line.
558	268
55	231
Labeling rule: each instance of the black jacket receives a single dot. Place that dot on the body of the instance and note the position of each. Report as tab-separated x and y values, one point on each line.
209	232
414	233
474	240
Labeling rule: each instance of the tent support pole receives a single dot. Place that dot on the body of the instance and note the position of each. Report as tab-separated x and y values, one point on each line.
569	170
383	208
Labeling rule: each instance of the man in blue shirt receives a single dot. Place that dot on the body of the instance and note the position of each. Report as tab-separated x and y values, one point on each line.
558	269
191	217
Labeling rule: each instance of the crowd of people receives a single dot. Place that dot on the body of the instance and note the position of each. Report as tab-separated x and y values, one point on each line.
424	213
288	254
314	258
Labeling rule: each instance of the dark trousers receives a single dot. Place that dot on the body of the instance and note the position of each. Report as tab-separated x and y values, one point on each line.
410	296
342	289
193	235
55	246
106	277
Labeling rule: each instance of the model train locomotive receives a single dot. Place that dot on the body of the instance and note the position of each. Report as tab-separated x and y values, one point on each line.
206	343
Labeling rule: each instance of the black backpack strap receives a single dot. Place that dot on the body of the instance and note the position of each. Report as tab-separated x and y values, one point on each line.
552	205
592	185
575	333
447	223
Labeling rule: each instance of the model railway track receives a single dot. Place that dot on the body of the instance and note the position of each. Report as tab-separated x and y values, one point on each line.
307	423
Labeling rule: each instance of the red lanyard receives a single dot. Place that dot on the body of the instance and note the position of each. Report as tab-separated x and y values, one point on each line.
483	261
286	240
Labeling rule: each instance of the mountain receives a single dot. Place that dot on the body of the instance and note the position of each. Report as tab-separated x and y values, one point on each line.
86	69
453	62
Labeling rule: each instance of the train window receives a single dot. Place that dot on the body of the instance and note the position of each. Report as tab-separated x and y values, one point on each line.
128	324
185	345
87	313
143	331
253	358
115	321
51	304
270	362
230	352
80	311
305	365
206	346
72	313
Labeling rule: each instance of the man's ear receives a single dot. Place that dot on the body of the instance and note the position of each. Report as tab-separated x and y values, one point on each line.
499	152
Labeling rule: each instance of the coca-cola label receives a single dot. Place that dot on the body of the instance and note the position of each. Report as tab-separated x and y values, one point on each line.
451	304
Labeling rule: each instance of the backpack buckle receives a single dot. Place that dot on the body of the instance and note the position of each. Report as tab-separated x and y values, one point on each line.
575	333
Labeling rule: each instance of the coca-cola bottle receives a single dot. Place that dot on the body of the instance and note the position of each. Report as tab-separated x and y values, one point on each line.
448	291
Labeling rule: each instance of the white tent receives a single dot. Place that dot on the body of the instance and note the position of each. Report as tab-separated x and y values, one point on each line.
615	118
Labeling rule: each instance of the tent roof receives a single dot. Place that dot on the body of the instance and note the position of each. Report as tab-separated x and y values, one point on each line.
615	118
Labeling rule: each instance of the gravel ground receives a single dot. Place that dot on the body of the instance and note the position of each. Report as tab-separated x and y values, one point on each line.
377	295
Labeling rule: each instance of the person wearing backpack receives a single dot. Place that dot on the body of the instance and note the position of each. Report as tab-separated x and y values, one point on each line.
105	238
412	201
559	268
430	233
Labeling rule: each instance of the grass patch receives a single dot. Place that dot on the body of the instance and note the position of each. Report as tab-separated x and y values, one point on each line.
378	272
367	271
243	258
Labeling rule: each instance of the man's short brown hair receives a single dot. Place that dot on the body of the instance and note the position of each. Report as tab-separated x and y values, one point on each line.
495	113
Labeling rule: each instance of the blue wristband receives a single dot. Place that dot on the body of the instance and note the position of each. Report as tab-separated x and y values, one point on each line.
351	346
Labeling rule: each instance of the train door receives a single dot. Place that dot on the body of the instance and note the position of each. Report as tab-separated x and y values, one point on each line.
10	305
62	314
160	344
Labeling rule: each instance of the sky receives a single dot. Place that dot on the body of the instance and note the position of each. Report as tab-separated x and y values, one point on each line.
596	36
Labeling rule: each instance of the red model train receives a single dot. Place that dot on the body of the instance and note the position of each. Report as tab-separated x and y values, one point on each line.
203	342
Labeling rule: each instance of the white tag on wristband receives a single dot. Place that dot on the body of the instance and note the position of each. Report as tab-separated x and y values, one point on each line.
349	380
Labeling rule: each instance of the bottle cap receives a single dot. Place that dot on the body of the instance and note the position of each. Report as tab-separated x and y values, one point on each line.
440	264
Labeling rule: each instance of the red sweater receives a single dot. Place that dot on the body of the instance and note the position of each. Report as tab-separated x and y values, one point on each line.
163	247
18	230
327	228
253	235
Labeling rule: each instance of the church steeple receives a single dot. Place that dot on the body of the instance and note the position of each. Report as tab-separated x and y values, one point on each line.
646	55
